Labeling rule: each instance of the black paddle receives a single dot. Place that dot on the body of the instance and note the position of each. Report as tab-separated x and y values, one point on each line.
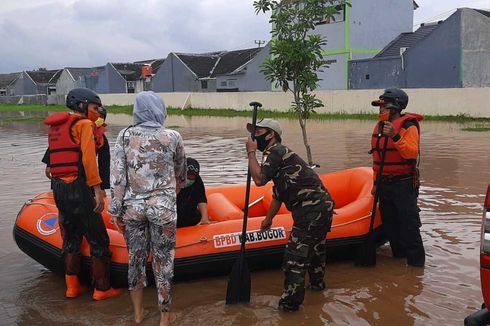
239	283
367	250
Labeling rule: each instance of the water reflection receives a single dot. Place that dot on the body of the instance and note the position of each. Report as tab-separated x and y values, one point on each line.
453	181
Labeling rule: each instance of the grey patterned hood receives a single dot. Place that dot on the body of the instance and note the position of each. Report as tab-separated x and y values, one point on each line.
149	110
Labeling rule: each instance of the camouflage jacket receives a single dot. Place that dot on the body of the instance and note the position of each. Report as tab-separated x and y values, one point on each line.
146	162
295	183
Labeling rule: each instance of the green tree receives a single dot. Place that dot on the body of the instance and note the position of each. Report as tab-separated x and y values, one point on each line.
296	51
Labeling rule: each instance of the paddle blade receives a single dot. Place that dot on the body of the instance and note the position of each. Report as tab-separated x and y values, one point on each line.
366	253
239	284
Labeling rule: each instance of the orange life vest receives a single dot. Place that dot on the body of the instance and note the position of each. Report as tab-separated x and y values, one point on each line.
394	163
99	136
64	153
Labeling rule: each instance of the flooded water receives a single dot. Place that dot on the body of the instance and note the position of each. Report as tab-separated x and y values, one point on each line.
454	177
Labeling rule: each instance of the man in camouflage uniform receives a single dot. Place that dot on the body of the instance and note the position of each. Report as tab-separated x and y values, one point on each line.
301	190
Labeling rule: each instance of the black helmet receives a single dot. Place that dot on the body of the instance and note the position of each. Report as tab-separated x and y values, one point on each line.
81	95
395	96
192	166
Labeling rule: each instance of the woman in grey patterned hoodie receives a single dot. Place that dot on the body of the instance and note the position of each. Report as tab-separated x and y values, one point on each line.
147	171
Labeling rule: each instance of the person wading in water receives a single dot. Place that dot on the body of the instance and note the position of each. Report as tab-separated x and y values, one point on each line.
75	182
301	190
399	183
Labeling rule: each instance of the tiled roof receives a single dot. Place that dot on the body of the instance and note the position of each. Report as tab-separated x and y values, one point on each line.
232	60
42	76
130	71
484	12
200	64
7	79
208	65
77	72
55	77
406	40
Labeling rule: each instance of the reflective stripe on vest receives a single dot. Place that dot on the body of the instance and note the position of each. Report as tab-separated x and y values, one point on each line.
64	153
394	163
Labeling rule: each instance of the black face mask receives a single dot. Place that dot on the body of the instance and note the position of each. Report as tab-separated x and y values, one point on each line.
262	142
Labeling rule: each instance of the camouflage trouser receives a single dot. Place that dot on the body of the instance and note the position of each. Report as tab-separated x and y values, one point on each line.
151	228
305	251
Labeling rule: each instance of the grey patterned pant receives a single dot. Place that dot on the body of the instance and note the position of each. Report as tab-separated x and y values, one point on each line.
151	229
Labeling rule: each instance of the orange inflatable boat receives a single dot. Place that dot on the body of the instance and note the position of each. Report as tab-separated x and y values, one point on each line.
204	250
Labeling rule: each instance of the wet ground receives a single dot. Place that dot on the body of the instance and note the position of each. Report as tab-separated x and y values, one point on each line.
454	178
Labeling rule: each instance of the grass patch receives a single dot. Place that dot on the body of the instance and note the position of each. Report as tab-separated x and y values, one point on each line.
128	109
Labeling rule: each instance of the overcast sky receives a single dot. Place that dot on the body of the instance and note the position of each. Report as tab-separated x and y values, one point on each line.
84	33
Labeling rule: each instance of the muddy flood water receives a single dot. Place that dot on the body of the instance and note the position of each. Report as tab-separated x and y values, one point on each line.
454	171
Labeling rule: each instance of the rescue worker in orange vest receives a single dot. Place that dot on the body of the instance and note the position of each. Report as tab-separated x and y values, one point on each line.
398	190
102	149
75	182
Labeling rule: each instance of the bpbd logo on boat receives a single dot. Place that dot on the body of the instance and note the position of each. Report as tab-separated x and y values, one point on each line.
47	224
234	239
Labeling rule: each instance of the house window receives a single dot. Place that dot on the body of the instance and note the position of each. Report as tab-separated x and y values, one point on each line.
340	17
232	82
130	86
3	92
204	84
223	83
368	76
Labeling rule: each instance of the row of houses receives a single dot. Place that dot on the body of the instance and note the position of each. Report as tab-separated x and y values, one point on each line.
220	71
363	54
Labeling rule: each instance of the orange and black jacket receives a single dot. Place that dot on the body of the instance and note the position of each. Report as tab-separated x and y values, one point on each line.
71	147
402	150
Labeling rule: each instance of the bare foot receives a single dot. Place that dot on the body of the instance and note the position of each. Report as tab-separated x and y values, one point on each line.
165	319
140	316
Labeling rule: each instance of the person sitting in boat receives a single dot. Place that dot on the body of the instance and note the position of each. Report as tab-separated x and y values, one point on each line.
76	186
301	190
147	172
102	148
192	204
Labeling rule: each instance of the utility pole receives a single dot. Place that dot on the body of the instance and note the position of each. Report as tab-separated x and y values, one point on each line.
259	42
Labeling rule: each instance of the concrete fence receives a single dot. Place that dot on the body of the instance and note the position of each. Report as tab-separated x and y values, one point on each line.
448	101
473	102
